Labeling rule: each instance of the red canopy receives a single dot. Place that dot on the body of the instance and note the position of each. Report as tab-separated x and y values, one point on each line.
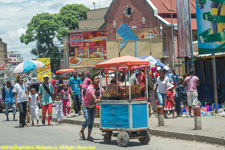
122	62
64	70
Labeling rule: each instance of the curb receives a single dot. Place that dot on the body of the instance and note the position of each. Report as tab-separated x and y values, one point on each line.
177	135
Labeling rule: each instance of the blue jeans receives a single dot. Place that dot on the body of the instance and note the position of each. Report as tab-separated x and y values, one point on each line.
161	98
89	116
76	103
7	108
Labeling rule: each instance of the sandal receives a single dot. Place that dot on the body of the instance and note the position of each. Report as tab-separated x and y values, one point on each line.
82	136
90	139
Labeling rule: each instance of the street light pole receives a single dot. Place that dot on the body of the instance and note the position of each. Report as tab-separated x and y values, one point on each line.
172	35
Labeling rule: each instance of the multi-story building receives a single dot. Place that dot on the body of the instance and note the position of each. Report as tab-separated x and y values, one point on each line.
14	58
3	52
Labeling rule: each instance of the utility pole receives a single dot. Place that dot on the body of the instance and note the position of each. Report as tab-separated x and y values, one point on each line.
215	82
172	34
191	39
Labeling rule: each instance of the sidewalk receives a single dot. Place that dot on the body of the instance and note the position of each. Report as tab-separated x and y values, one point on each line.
213	127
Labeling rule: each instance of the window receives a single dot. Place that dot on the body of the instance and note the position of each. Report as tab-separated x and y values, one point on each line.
128	11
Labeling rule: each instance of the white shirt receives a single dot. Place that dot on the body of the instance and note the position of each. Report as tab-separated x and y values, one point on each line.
58	106
20	90
34	100
132	78
162	85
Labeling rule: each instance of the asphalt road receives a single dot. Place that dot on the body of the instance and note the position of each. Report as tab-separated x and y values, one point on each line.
67	135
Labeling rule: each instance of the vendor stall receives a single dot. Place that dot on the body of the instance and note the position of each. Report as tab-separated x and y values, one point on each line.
130	115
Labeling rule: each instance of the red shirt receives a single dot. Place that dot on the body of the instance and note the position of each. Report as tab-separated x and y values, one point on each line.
141	80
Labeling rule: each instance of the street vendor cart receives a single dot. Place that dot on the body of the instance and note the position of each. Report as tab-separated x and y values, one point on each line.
127	117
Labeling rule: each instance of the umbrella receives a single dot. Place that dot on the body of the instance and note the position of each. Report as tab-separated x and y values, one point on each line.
64	70
27	66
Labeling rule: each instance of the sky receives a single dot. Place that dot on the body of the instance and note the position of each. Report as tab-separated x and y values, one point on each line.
16	14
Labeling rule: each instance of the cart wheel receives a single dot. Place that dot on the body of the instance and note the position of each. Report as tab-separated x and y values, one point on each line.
123	139
107	137
146	138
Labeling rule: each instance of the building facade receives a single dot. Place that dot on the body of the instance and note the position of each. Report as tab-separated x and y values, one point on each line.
3	52
14	58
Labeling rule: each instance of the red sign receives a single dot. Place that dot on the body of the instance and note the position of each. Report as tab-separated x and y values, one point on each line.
76	40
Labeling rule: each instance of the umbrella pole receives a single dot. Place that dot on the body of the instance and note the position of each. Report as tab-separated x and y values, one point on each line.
129	86
106	75
126	82
117	79
146	85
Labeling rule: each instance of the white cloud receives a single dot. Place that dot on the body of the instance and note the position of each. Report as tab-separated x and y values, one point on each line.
16	14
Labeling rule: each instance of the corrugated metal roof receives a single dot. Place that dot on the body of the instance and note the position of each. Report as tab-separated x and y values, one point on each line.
193	22
2	66
163	6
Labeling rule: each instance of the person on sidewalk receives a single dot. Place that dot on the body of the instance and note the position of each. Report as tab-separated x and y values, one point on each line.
161	87
21	96
58	109
75	86
169	105
34	100
192	93
91	98
8	100
65	94
180	98
59	84
46	92
142	81
152	90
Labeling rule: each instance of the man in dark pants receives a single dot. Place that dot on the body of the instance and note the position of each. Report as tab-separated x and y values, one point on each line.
21	95
75	86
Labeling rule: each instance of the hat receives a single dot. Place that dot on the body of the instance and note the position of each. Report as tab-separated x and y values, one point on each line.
158	68
87	72
166	68
46	76
169	86
157	64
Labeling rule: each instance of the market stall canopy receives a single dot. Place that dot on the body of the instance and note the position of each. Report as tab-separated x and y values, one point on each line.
153	61
64	70
122	62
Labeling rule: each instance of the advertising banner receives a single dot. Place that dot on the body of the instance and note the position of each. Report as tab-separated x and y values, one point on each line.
90	52
183	23
210	26
44	71
146	33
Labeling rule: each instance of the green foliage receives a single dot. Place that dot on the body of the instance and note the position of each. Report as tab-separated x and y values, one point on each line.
46	28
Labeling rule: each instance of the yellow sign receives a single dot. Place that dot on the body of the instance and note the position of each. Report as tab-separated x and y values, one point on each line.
46	70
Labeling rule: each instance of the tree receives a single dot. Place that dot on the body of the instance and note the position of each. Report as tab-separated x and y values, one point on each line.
46	28
71	14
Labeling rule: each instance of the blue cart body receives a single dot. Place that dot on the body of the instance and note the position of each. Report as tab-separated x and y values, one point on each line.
126	115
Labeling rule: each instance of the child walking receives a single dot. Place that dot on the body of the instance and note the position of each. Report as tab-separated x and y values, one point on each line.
33	100
65	93
169	105
58	109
